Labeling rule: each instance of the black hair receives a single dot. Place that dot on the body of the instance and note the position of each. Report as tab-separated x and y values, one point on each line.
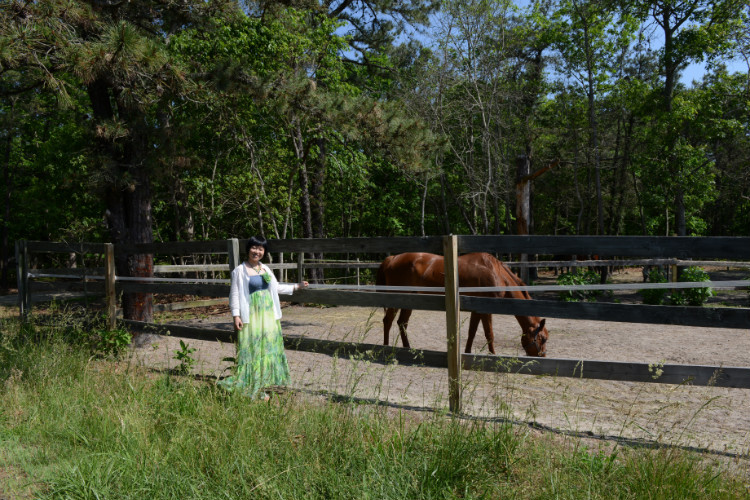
256	241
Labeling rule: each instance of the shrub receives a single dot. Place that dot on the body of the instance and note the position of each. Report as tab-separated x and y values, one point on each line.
105	342
692	296
655	296
185	356
587	277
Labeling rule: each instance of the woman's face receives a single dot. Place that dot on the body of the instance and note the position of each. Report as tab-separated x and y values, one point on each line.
255	253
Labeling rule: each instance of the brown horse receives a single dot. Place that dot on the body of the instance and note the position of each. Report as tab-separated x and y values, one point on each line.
474	270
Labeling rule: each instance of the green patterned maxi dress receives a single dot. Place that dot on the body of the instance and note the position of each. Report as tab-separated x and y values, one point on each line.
261	361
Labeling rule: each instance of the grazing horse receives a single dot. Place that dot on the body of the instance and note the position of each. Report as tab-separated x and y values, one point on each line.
474	270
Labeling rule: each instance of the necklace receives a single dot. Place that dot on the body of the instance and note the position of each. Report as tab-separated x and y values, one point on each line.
266	277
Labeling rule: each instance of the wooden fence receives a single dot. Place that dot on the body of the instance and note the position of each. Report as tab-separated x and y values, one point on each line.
727	249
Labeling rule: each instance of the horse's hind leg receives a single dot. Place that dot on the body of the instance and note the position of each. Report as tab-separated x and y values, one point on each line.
473	325
390	314
488	333
403	322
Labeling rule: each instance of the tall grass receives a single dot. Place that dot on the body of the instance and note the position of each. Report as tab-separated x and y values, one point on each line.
73	425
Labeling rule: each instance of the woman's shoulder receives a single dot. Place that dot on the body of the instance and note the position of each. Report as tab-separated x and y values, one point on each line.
238	269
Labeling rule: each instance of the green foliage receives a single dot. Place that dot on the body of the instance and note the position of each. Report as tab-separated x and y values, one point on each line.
582	277
655	296
106	342
692	296
227	110
185	356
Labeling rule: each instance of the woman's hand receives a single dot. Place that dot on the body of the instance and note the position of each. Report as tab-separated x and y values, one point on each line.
237	323
304	284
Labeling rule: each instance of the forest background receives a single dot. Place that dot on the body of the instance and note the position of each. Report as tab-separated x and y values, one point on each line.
164	120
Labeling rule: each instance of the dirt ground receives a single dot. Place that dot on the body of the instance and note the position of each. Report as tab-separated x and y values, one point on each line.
707	418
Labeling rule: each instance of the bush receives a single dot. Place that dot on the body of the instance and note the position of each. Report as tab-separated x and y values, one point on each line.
105	342
580	278
692	296
655	296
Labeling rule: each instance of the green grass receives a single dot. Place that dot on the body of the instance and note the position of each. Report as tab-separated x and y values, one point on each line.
76	425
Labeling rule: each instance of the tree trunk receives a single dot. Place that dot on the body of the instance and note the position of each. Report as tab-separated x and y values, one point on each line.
128	205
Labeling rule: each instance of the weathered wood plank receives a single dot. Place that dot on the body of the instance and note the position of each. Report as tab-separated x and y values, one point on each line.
452	322
174	248
329	265
20	282
234	254
200	289
369	299
72	271
432	244
188	332
717	376
630	246
178	306
369	352
718	317
62	247
109	286
46	287
189	268
190	304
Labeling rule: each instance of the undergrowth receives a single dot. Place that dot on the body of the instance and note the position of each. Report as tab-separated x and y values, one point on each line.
73	425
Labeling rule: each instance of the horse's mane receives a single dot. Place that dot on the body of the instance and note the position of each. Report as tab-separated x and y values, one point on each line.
501	269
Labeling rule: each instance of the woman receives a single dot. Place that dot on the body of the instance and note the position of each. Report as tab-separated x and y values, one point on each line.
256	311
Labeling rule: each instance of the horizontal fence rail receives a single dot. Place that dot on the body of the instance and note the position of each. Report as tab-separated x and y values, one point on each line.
431	244
62	247
682	247
174	248
626	263
701	375
718	317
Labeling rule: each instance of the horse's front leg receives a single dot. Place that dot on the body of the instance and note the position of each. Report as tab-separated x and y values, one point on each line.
473	325
390	314
488	333
403	323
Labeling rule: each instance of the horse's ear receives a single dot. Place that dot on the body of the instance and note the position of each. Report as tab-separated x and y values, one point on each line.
541	323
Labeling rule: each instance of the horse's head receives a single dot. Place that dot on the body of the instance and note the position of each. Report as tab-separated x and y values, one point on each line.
534	339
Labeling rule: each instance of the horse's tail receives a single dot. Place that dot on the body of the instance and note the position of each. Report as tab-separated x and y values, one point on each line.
380	277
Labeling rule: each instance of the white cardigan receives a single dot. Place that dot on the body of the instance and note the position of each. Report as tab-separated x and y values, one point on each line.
239	292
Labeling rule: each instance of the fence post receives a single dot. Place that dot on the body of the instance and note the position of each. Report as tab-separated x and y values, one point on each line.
109	285
233	249
26	297
452	311
19	278
300	267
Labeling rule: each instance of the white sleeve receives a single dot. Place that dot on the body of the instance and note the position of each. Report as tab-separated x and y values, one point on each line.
234	294
286	288
281	288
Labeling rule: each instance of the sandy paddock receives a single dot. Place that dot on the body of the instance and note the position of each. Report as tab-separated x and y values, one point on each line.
716	419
